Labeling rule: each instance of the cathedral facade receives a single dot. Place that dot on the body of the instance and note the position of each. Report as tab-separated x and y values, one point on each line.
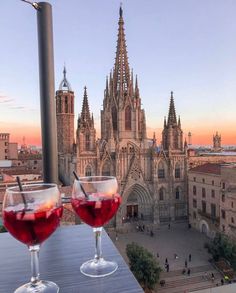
152	179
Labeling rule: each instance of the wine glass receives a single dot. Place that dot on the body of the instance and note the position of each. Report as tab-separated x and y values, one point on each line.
95	200
31	214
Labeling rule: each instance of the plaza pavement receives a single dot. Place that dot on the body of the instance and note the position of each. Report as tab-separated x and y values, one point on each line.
180	240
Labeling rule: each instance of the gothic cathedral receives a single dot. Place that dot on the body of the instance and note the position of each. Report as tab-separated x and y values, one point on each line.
152	179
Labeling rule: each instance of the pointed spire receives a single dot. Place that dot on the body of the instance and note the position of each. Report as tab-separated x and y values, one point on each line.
154	141
121	68
64	85
172	115
165	122
85	114
179	123
136	87
185	143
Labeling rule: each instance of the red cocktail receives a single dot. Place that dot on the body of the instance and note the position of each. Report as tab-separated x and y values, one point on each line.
31	214
96	211
31	227
95	200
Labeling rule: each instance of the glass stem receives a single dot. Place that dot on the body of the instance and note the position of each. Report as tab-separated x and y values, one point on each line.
34	251
98	248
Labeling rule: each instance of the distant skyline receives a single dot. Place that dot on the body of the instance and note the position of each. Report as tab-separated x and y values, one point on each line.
188	47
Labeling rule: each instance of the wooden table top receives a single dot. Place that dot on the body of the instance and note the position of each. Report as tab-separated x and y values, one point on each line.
60	259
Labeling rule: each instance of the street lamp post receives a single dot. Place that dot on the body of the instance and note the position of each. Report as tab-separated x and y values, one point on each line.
47	91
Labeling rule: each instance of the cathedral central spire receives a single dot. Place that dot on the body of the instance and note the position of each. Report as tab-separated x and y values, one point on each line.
121	68
172	115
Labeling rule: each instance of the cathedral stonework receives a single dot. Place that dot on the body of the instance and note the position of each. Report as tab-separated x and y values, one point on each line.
152	180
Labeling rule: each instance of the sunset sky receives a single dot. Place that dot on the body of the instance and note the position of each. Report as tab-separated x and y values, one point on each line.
184	46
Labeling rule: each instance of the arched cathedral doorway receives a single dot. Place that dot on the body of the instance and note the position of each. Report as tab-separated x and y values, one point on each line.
137	204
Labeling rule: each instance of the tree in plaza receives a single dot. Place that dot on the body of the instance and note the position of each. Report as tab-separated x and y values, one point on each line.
223	247
143	265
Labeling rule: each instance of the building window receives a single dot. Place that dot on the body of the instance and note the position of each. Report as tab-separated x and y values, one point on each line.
223	185
106	169
87	142
194	190
194	203
72	107
161	194
161	170
212	182
223	198
6	143
88	171
203	180
203	192
203	206
223	214
194	179
35	162
6	150
177	171
212	193
194	215
6	157
114	118
66	105
213	210
177	193
232	220
232	204
128	118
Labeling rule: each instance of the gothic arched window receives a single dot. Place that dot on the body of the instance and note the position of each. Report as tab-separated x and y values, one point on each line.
66	104
177	171
177	193
114	118
161	194
161	170
128	118
106	169
88	171
72	107
87	142
59	101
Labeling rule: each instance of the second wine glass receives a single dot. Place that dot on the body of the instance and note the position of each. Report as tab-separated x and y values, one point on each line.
95	200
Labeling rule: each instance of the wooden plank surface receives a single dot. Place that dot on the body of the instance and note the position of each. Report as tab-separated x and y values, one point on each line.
60	259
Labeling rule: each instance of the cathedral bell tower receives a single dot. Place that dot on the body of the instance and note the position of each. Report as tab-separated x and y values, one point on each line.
122	118
65	116
172	134
86	133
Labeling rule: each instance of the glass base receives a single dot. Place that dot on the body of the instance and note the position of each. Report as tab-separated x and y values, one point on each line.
100	268
41	287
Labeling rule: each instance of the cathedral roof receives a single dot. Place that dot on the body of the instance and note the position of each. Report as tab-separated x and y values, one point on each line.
65	85
207	168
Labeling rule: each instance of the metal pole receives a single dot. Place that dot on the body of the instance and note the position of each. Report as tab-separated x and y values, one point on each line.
47	92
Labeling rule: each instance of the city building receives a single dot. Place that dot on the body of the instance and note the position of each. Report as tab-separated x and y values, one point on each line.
8	150
152	181
204	196
212	198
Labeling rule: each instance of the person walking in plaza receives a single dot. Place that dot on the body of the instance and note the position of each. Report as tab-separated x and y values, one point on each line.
166	262
189	257
167	268
186	263
188	272
212	277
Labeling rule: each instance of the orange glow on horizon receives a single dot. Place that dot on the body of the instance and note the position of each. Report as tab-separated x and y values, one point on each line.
200	136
